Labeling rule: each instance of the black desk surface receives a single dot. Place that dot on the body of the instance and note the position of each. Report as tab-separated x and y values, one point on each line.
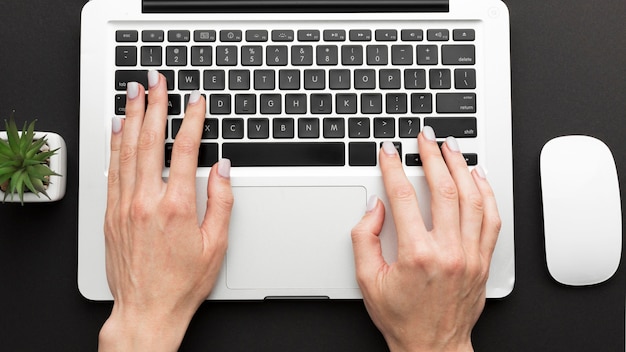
569	76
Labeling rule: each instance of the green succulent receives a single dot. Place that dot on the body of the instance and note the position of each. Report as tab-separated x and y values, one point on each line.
23	164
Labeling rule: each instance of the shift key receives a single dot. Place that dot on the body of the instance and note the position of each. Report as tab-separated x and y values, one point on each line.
455	103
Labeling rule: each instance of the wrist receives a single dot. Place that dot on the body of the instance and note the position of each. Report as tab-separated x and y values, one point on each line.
132	330
400	346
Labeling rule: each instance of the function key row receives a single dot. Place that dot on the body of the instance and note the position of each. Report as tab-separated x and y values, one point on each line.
288	35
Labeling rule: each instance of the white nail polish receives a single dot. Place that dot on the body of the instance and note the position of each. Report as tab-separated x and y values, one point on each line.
132	90
153	78
452	144
371	203
223	168
116	125
194	97
389	148
429	133
481	172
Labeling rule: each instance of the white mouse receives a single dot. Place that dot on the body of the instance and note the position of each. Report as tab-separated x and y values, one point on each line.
581	210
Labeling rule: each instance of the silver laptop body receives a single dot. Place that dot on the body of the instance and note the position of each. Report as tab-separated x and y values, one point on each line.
300	97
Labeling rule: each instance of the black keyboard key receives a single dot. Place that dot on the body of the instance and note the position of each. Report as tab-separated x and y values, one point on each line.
277	55
459	127
401	55
438	34
219	104
327	55
421	103
334	128
360	35
226	55
176	56
204	35
352	55
295	104
264	79
271	104
126	56
210	129
214	80
122	77
371	103
416	35
384	127
245	104
334	35
308	127
283	35
151	56
339	79
427	55
207	154
257	35
201	55
173	104
302	55
362	153
186	102
289	79
189	79
389	79
396	103
321	103
465	79
314	79
415	79
458	54
285	154
239	80
152	36
364	79
258	128
126	36
359	127
463	34
386	35
346	103
377	55
409	127
178	36
309	35
283	128
232	128
252	55
440	79
230	35
398	147
415	159
456	103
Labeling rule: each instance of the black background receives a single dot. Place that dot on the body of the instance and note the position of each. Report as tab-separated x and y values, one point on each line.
569	77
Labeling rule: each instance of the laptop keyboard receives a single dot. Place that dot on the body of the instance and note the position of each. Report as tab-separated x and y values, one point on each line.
309	97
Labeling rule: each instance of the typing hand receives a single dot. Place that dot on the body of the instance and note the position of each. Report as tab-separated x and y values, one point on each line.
160	263
430	299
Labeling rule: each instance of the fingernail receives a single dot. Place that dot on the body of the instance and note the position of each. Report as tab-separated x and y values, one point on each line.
371	203
223	168
452	144
389	148
429	133
194	97
153	78
480	172
116	125
132	90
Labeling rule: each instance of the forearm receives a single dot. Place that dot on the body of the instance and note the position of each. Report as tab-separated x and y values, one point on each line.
153	331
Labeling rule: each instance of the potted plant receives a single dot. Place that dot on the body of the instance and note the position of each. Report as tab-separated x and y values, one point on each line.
31	164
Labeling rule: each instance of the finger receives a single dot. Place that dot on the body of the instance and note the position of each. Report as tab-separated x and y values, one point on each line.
113	174
219	203
186	145
444	195
402	198
470	199
368	257
151	146
135	109
491	217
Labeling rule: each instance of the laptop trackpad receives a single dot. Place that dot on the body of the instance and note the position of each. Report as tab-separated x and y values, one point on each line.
293	237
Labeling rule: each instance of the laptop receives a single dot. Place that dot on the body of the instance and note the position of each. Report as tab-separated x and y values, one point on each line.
300	96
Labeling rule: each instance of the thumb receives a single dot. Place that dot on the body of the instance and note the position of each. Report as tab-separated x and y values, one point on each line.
220	200
368	256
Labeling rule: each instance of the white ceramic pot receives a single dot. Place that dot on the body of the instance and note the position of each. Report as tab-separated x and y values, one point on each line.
58	164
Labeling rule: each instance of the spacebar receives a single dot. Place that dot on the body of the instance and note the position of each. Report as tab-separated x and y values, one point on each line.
285	154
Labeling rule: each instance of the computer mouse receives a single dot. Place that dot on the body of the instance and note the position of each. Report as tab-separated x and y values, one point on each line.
581	210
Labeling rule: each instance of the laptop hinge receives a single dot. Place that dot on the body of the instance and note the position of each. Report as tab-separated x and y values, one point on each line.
293	6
